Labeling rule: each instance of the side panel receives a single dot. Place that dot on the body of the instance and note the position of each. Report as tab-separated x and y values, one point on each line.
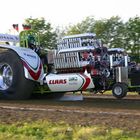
69	82
31	61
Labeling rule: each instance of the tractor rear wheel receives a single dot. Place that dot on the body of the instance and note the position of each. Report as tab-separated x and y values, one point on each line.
13	84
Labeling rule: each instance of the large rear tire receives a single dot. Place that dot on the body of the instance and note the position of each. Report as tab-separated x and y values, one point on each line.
13	84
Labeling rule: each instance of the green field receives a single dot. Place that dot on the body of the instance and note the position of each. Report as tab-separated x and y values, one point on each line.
43	130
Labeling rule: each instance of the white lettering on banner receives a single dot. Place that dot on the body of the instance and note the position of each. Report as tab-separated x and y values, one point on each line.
9	38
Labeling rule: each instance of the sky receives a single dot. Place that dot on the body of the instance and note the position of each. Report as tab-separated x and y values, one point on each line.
64	12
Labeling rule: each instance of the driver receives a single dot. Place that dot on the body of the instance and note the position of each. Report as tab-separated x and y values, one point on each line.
31	42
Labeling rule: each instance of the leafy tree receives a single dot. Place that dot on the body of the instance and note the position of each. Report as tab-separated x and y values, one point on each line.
85	26
133	36
111	31
60	31
47	35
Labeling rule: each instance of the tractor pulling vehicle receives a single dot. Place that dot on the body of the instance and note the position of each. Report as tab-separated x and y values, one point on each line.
79	63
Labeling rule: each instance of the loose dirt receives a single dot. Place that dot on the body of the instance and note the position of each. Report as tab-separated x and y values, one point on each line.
102	110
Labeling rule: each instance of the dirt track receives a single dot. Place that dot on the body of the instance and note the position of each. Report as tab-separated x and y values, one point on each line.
97	110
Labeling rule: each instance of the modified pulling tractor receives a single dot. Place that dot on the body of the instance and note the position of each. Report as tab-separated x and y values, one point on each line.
80	62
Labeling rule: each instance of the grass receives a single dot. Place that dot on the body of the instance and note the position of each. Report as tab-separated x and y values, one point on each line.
43	130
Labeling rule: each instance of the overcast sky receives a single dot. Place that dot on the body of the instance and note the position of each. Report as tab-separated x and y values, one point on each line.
64	12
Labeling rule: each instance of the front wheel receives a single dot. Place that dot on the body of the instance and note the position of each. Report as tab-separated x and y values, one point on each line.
13	84
119	90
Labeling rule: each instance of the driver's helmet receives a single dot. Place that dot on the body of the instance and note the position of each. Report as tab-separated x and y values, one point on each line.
31	40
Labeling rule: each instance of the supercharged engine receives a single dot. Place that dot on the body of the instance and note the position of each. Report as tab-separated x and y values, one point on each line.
85	53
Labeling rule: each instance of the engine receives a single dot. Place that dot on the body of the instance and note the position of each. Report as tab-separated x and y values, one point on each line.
85	53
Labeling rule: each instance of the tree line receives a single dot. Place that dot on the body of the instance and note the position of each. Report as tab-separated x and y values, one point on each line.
113	32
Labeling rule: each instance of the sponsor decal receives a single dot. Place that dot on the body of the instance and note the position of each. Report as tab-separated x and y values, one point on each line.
86	81
34	75
5	37
58	81
29	55
73	79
